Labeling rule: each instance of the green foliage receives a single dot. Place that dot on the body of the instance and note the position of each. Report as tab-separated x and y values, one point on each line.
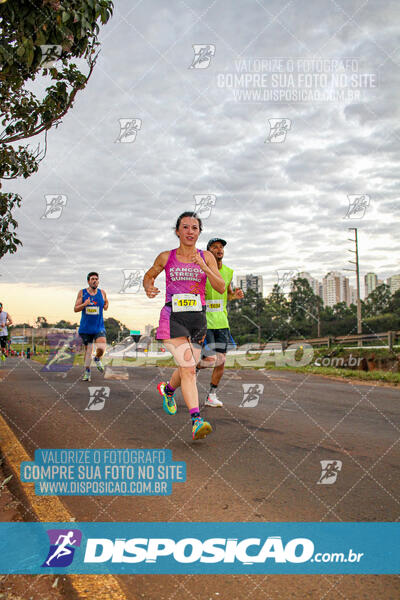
113	327
8	239
395	303
378	302
341	310
388	322
27	26
303	302
65	325
41	322
281	318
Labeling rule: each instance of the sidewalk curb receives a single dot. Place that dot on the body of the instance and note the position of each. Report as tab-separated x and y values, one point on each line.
51	509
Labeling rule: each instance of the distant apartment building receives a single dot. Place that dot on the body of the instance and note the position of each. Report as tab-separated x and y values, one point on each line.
250	282
370	282
393	283
315	285
335	289
353	295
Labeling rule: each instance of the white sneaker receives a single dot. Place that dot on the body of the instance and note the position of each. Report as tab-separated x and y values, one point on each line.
212	400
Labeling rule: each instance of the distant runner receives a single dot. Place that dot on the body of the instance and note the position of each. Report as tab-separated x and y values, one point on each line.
218	335
92	301
183	324
5	322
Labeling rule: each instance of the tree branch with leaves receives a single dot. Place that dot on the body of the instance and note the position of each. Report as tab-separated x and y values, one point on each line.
40	39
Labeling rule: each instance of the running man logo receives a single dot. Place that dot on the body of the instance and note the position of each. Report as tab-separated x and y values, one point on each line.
62	352
330	471
128	129
132	281
278	129
50	54
63	543
54	206
60	360
285	278
203	204
251	394
203	54
97	397
358	204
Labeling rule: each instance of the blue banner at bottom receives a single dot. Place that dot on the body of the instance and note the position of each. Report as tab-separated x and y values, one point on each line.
200	548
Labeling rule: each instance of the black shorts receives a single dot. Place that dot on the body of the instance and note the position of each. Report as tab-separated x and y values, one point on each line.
189	324
3	341
89	338
217	340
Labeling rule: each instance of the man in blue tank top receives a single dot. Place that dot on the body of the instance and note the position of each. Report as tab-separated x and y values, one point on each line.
92	301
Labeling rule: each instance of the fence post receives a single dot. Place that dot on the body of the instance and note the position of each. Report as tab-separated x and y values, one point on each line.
390	339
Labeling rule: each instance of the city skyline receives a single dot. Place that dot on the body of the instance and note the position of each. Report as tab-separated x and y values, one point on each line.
145	327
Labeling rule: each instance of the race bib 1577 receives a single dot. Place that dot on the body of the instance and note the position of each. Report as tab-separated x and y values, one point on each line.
186	302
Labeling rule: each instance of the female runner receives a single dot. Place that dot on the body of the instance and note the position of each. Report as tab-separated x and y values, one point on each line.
183	323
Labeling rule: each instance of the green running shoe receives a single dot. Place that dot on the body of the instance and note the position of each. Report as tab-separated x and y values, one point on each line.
200	428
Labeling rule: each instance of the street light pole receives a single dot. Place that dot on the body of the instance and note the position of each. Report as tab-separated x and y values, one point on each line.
359	325
258	327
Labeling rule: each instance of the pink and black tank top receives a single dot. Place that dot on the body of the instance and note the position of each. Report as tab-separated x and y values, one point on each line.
184	278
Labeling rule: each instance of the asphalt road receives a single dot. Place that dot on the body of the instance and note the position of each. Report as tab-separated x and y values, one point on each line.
261	463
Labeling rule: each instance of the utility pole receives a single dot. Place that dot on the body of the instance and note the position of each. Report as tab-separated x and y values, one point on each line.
357	271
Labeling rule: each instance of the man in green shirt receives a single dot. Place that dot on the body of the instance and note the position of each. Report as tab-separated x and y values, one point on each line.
218	335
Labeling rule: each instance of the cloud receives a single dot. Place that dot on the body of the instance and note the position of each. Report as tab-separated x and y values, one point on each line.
277	203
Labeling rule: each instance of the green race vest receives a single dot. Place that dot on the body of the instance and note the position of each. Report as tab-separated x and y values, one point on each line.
219	320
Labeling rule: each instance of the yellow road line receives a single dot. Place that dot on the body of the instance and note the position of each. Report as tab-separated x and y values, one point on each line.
51	509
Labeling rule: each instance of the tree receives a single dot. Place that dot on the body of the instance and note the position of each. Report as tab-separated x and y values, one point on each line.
65	325
113	327
277	304
379	301
327	314
253	306
35	33
341	310
395	302
304	304
41	322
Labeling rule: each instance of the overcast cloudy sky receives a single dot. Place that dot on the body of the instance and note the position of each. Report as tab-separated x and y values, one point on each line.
279	204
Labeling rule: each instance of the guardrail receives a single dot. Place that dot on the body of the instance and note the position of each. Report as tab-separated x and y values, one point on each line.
390	338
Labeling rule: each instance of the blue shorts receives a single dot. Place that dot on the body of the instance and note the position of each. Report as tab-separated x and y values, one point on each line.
89	338
217	340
